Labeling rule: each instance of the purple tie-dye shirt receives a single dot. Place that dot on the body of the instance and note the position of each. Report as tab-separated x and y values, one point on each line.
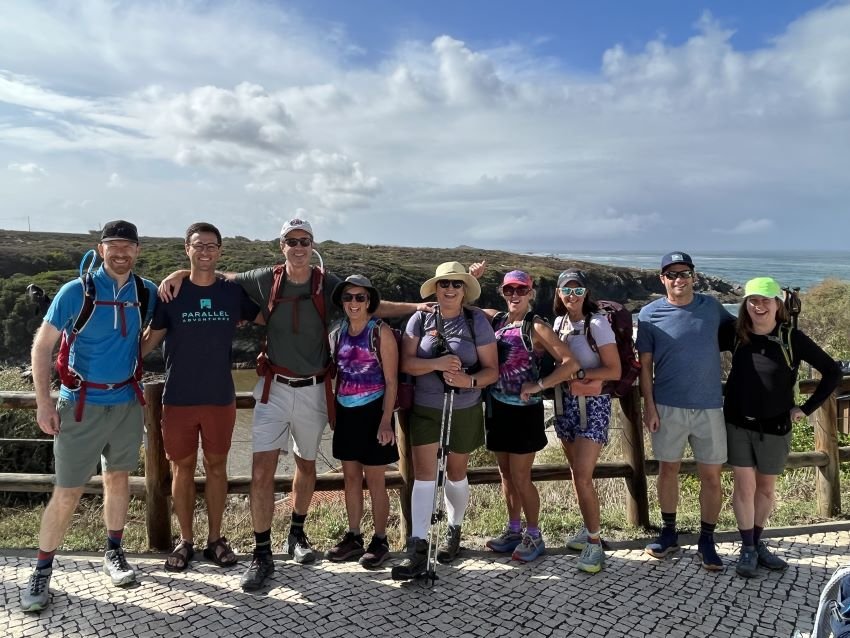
516	366
360	377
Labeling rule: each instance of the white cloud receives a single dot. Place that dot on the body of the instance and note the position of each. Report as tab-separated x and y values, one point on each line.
748	227
115	181
30	170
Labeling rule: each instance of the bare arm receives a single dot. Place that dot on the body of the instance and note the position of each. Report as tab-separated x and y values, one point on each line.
610	369
544	338
389	363
170	286
42	357
151	339
390	309
650	413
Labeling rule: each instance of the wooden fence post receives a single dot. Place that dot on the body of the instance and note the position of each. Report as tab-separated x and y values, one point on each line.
157	488
826	441
637	500
405	468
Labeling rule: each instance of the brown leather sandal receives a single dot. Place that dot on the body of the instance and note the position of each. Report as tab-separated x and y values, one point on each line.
220	553
178	560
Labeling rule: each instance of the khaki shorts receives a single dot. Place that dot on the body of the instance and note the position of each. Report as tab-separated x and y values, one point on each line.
299	412
705	430
467	433
111	434
766	453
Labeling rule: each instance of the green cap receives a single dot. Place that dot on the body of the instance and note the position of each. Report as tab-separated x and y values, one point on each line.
763	287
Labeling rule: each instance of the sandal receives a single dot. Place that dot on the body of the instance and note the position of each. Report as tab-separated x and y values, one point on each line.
178	559
220	553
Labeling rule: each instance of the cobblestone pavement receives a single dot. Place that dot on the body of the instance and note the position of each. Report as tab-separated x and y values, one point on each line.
481	595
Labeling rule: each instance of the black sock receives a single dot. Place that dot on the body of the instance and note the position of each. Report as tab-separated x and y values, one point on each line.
706	530
757	534
747	537
668	520
297	524
263	541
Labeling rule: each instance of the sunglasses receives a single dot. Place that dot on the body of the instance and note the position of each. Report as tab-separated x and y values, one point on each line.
673	275
567	291
454	283
519	291
303	241
360	297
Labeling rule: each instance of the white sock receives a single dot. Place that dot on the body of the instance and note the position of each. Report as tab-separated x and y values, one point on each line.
457	498
421	504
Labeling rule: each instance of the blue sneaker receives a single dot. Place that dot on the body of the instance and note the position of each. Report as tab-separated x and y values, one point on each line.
666	543
708	554
579	541
505	542
529	549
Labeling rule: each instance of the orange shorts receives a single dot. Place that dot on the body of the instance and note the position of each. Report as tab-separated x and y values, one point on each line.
181	425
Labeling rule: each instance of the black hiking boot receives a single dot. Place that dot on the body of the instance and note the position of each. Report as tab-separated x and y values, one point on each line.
260	569
416	562
447	552
350	547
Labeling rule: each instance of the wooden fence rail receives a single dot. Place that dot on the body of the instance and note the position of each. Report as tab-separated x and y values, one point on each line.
155	485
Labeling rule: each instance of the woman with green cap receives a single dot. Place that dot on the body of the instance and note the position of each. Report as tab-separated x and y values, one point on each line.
760	409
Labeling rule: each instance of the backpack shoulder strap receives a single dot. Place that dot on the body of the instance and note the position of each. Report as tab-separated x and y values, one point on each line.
278	278
588	333
143	297
317	280
87	309
498	319
527	327
469	315
375	336
785	342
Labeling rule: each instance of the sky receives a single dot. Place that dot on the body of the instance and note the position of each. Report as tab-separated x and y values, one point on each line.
533	126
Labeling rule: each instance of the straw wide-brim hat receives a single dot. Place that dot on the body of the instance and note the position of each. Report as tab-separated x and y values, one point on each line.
452	270
362	282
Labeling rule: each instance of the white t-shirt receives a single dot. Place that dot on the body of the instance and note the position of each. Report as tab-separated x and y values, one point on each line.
573	335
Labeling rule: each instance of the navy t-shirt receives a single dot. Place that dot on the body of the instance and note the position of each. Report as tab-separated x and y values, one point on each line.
201	323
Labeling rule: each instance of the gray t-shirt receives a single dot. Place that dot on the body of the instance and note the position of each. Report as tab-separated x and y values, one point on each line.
684	347
429	387
297	339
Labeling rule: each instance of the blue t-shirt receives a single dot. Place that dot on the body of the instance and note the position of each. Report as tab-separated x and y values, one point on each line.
201	322
102	351
685	352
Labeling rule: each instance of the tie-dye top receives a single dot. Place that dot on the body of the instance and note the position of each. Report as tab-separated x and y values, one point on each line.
360	377
516	366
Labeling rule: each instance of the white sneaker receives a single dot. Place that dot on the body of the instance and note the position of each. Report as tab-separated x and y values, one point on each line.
115	566
578	541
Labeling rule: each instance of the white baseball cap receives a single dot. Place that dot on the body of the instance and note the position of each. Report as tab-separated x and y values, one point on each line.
296	224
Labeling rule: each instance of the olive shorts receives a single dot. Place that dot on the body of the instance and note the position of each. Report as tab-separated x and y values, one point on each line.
467	431
767	453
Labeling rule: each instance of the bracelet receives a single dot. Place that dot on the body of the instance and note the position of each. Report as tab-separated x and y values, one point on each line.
540	383
471	381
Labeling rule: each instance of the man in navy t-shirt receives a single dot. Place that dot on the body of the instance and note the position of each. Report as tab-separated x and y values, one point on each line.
683	400
198	326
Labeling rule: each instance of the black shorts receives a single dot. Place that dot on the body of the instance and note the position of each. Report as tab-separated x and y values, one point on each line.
356	435
516	429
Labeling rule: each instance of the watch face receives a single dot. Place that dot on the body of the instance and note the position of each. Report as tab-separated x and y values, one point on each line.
580	373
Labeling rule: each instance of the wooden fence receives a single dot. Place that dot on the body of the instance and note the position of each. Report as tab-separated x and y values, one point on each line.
155	485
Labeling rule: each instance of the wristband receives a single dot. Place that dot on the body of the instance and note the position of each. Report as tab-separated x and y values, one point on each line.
540	383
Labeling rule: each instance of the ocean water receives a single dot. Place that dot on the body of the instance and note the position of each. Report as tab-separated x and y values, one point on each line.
793	268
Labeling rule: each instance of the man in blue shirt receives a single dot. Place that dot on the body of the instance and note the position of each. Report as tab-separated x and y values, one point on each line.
199	399
98	415
683	400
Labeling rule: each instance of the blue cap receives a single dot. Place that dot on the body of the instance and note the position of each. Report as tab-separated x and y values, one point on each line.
676	258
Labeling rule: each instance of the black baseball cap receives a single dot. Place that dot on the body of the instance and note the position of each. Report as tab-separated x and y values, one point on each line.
119	230
572	275
671	259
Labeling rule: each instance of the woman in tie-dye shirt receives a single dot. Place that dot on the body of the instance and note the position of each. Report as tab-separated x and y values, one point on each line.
366	358
515	425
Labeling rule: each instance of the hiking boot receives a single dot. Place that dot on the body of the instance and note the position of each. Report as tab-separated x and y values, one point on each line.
298	546
591	559
578	541
377	552
351	546
261	567
448	552
37	594
767	558
529	549
666	543
748	562
415	563
708	554
115	566
505	542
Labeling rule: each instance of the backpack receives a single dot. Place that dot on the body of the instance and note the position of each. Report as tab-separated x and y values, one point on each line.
403	399
72	379
265	368
620	320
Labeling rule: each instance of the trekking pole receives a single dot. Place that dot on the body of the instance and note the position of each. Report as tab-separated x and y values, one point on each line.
438	509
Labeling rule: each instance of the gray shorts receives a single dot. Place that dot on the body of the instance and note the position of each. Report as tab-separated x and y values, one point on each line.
299	412
705	430
767	453
109	433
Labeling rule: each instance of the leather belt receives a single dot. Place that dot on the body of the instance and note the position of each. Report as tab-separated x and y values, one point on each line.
299	382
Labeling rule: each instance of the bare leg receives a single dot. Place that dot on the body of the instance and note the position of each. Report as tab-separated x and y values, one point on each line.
710	495
183	493
215	466
303	484
263	468
353	473
378	494
512	498
57	516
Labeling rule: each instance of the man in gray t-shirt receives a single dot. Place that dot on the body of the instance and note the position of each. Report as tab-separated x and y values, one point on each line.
683	401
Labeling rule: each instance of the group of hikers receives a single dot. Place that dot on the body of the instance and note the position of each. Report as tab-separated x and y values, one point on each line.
330	358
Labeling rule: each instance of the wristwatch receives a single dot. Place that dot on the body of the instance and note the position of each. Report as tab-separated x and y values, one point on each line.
580	374
474	381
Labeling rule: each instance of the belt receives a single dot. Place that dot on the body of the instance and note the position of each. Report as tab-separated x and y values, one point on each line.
299	382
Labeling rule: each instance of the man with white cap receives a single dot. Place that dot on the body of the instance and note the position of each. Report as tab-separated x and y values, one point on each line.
292	392
683	399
